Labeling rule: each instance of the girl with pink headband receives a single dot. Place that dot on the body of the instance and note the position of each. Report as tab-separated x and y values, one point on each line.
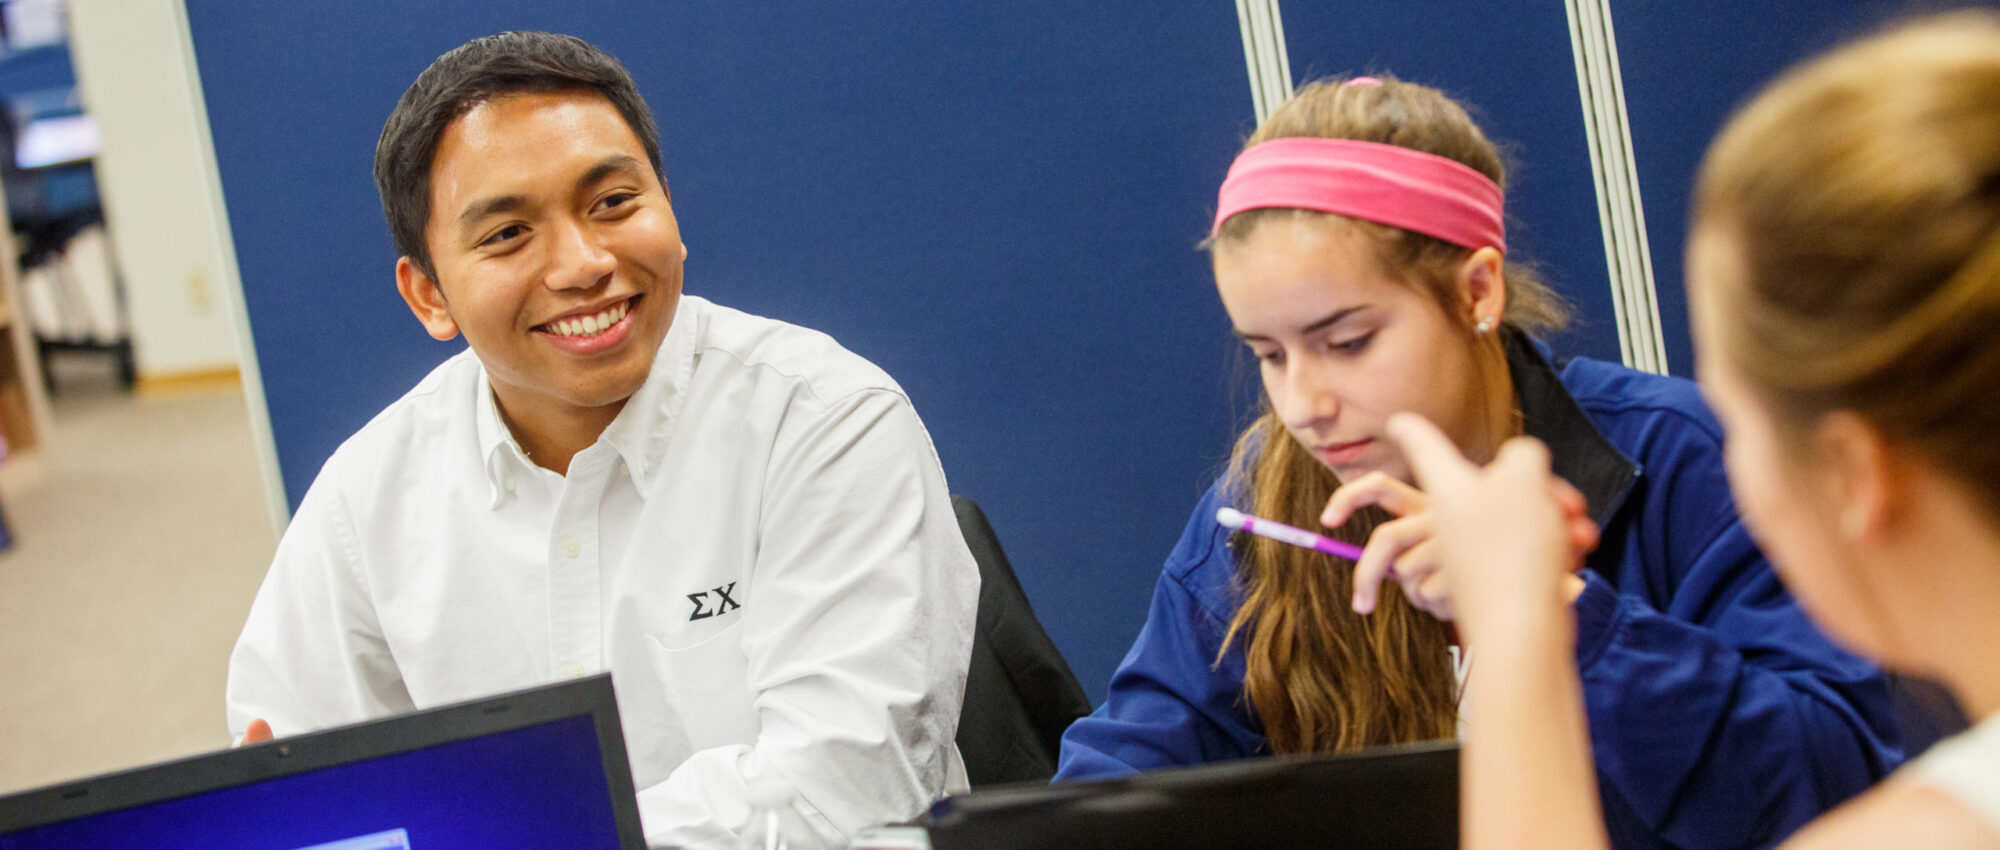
1360	250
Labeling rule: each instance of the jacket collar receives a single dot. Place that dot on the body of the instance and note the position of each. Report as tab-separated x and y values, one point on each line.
1580	453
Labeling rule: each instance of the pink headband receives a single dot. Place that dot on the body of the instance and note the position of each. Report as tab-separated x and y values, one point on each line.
1385	184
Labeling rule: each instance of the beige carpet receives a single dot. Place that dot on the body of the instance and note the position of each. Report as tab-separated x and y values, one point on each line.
139	539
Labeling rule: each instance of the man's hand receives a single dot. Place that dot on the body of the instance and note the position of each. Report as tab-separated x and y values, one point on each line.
256	733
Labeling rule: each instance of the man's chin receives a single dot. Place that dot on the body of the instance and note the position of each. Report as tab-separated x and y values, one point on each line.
607	394
594	389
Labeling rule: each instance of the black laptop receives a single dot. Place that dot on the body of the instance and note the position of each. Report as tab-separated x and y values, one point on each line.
539	768
1403	797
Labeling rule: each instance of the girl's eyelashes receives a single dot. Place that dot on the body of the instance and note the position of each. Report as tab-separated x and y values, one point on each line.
1274	355
1271	355
1353	345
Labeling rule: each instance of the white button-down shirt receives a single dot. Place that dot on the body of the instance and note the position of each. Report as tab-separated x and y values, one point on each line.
761	549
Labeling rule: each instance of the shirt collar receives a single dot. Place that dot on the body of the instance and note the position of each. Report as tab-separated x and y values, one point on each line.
1580	453
638	434
504	458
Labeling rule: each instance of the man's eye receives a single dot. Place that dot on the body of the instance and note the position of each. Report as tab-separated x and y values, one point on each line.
617	200
1273	357
504	234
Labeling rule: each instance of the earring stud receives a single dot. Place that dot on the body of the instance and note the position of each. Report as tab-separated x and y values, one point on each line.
1484	326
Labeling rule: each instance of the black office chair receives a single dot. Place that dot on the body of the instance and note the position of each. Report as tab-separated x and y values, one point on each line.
1019	693
47	207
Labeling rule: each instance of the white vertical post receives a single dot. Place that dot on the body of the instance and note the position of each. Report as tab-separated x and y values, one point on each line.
1264	55
261	437
1620	212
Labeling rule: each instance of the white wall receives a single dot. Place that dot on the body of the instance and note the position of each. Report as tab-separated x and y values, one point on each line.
154	176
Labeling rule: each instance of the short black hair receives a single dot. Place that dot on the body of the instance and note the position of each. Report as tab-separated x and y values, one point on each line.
471	74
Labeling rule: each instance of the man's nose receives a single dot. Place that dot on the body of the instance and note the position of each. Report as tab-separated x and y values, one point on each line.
580	260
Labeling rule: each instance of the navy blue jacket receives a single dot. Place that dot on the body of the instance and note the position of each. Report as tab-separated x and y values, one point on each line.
1719	716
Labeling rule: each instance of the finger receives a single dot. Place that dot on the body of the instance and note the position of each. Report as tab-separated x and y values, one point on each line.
1375	488
1435	594
1583	539
1524	457
1583	535
1416	567
1570	498
1385	547
1583	532
1573	586
1433	457
257	732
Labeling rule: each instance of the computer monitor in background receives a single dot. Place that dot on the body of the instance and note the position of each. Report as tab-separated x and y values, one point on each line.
540	768
56	140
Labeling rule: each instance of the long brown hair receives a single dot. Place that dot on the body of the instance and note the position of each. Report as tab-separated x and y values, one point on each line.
1321	677
1863	194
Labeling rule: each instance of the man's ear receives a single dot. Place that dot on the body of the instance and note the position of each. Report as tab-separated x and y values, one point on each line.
1482	280
426	300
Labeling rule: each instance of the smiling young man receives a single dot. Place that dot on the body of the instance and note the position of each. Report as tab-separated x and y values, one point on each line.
741	520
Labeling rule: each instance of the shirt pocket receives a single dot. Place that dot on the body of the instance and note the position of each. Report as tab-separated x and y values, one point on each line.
707	684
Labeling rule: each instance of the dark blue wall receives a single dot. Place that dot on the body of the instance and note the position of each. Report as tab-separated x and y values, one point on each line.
1510	64
997	202
1687	66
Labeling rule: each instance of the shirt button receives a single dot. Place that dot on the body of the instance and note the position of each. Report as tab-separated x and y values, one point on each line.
625	469
574	672
572	549
507	483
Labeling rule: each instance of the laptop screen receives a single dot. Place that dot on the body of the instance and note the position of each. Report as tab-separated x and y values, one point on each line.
540	785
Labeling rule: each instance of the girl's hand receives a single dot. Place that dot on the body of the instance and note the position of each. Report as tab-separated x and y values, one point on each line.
1507	536
1403	549
1400	549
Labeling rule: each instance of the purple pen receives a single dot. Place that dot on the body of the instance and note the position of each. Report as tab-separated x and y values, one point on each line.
1233	518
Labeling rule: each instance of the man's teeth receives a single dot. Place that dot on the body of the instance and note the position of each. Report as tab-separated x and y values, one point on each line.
590	325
